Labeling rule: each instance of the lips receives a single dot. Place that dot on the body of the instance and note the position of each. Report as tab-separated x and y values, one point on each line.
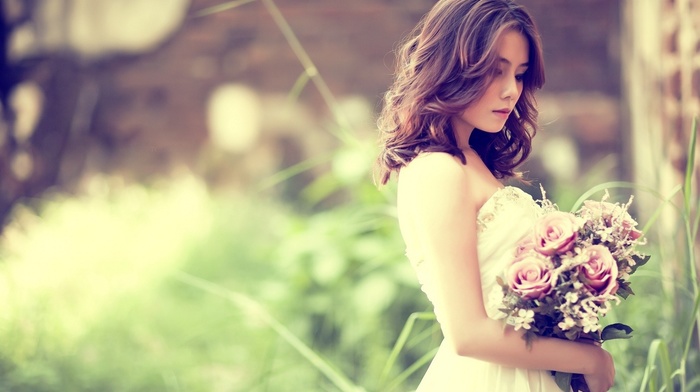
503	113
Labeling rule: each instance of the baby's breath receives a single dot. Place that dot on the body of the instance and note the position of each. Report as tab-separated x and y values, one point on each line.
524	319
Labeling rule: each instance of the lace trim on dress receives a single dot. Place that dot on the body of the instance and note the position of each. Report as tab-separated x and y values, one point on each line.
489	210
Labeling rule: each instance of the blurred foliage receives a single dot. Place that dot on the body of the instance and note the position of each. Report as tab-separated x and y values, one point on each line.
92	301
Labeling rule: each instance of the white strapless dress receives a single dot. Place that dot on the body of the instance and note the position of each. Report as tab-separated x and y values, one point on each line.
501	222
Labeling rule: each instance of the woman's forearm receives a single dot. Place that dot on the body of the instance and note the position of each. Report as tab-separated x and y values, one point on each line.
491	342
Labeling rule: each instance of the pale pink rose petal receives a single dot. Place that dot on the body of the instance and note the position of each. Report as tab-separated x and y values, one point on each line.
599	274
556	233
531	277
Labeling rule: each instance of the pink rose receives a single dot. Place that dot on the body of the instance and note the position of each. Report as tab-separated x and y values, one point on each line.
629	228
531	276
599	273
525	246
555	233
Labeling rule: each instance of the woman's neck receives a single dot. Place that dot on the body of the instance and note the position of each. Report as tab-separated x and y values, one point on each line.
462	133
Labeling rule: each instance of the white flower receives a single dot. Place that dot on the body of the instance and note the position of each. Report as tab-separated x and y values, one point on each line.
590	307
590	323
567	324
571	297
524	318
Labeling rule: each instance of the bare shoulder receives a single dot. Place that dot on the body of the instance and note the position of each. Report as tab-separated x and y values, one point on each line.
435	176
433	185
433	167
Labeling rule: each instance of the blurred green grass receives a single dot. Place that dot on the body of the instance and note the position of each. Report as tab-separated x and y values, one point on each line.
89	302
93	299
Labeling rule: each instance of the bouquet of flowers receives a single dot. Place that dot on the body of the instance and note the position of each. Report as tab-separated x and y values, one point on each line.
569	272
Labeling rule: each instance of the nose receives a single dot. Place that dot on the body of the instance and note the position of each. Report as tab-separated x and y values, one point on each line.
509	90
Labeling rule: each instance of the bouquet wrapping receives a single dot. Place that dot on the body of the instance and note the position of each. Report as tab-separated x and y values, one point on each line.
569	271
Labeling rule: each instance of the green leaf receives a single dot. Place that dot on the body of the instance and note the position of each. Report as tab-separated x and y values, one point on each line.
640	260
665	202
401	341
572	334
616	331
299	85
694	383
606	185
658	350
687	188
221	7
254	309
624	290
563	380
500	281
505	310
412	369
529	336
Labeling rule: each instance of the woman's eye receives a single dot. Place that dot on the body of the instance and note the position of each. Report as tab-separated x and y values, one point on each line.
520	77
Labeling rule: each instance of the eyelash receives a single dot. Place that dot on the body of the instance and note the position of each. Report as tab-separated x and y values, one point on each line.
518	77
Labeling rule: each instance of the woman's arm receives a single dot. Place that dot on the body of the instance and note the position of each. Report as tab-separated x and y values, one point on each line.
442	210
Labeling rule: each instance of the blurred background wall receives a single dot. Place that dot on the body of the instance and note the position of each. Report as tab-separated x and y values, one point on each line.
661	59
137	89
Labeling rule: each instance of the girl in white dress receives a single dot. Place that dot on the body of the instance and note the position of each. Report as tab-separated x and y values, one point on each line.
458	119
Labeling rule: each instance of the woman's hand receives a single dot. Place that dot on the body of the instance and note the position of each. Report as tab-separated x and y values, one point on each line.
603	375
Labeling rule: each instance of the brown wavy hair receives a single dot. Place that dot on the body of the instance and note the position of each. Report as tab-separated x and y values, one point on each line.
445	65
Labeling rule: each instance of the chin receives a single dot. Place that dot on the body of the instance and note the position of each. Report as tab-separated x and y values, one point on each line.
491	129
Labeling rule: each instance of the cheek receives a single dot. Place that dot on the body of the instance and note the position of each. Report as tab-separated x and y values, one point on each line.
467	114
494	90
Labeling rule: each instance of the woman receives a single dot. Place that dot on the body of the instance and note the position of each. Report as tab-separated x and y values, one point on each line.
459	118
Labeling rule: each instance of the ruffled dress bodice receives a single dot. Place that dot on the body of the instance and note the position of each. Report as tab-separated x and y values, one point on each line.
502	221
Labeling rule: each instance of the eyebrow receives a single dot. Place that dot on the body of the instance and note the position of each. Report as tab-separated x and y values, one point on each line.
502	60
